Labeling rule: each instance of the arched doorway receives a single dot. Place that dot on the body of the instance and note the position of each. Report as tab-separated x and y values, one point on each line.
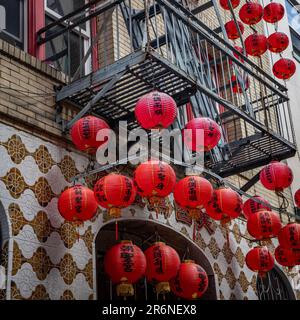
143	233
274	286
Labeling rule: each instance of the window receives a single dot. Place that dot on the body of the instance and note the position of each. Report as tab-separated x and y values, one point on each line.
14	31
293	14
67	50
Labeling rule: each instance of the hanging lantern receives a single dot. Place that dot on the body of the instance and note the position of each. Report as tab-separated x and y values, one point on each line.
191	281
154	180
193	193
259	259
285	257
289	236
251	13
276	176
273	12
256	44
84	133
232	31
77	204
155	110
201	134
284	68
225	204
297	198
278	42
115	192
125	263
263	225
251	206
162	265
237	87
224	4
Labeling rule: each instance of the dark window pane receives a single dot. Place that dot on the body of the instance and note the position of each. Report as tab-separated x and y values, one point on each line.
295	37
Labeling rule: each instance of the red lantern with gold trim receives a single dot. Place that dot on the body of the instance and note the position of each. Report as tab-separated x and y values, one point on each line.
162	265
201	134
84	133
256	44
191	281
155	110
278	42
297	198
289	236
193	193
77	204
260	259
273	12
251	13
284	68
224	4
225	204
276	176
125	263
285	257
263	225
232	31
251	206
115	192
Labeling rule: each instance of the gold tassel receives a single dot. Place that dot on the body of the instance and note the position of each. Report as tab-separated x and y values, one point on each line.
163	287
125	289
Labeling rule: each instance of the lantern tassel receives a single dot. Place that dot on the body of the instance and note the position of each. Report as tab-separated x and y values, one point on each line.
163	287
125	289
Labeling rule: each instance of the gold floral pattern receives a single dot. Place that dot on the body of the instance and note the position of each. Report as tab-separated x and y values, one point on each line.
14	182
43	159
67	295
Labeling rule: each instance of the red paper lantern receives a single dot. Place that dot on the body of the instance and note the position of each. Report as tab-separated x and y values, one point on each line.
251	13
125	263
297	198
297	256
191	281
224	205
237	87
251	206
201	134
256	44
115	192
155	110
192	193
224	4
77	204
232	31
263	225
276	176
278	42
285	257
273	12
84	133
284	68
289	236
162	265
259	259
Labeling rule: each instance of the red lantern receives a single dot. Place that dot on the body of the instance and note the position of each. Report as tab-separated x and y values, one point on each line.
276	176
237	87
224	205
285	257
232	31
297	256
256	44
251	13
278	42
191	281
224	4
251	206
240	49
259	259
162	265
263	225
284	68
125	263
192	193
77	204
273	12
201	134
289	236
84	133
155	110
115	192
297	198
